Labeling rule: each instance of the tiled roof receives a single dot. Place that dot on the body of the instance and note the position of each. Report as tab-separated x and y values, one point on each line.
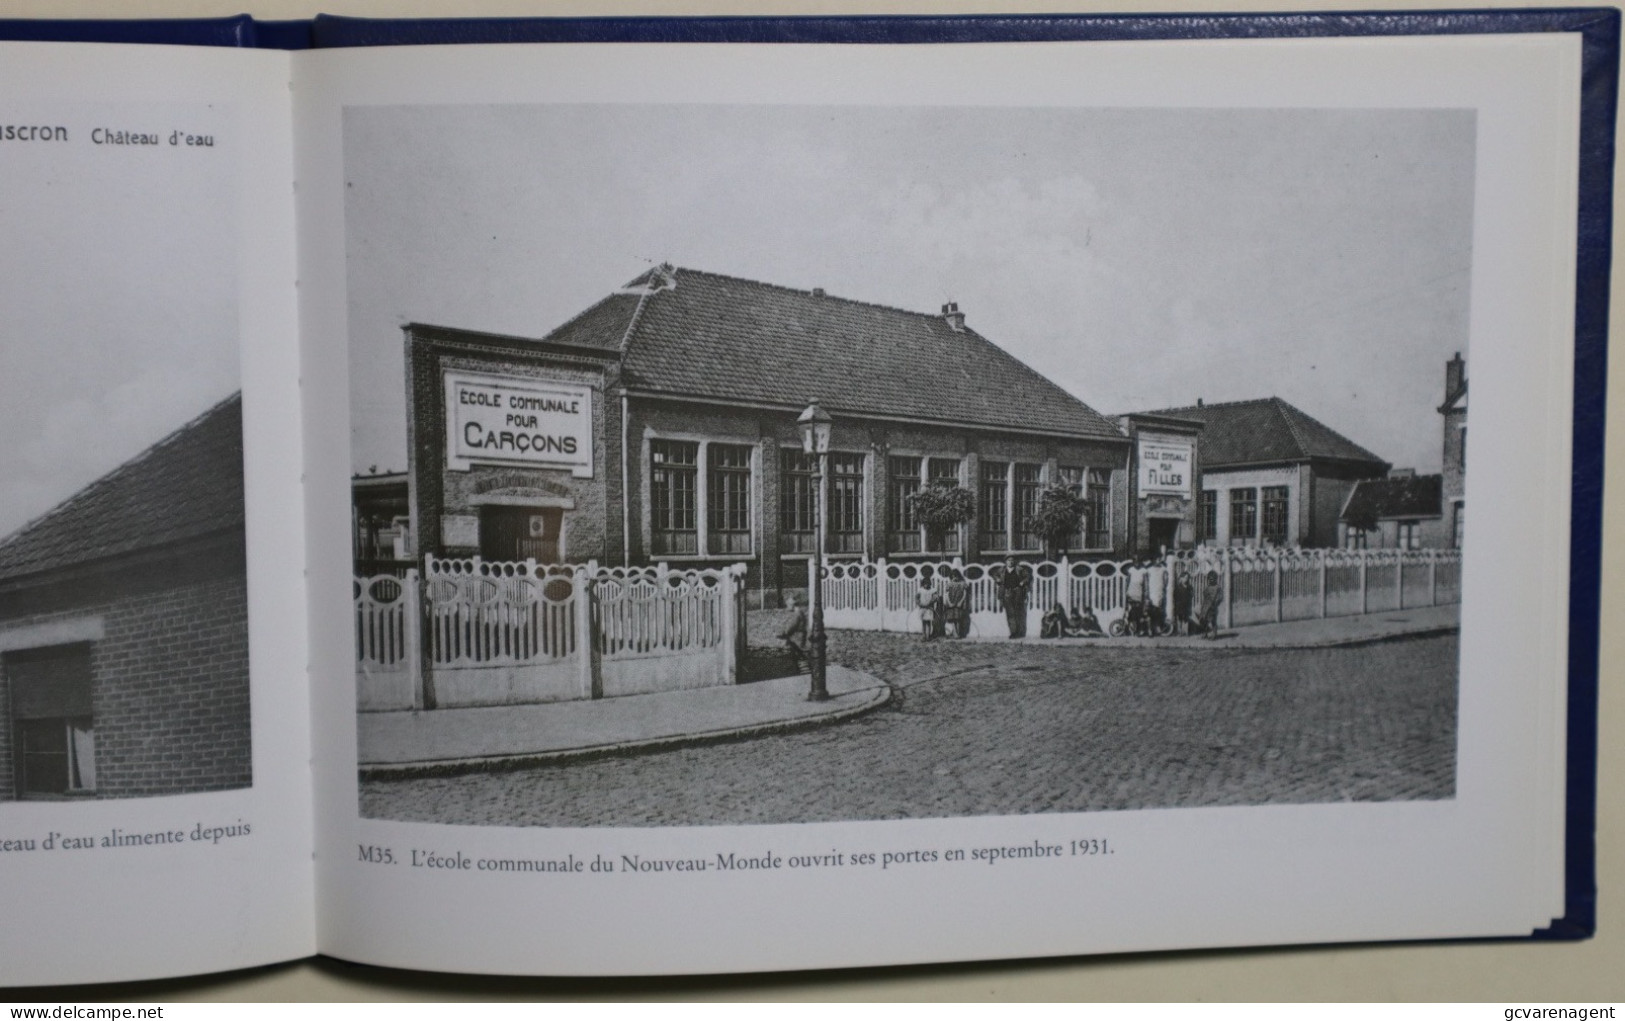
1267	431
185	486
709	336
601	325
1415	496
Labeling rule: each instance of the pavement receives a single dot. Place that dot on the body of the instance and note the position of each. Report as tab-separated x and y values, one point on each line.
395	745
417	743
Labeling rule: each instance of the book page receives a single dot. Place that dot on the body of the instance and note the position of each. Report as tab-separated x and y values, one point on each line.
1116	393
154	743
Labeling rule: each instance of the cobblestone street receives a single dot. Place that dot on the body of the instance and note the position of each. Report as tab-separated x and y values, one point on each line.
978	729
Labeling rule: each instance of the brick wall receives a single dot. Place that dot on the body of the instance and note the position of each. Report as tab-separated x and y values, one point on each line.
170	691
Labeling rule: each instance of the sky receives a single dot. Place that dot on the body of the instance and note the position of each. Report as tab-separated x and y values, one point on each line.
1142	259
118	312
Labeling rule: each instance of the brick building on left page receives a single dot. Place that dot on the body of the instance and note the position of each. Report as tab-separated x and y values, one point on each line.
124	628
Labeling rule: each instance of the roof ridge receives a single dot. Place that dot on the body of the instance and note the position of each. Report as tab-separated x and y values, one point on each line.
1284	409
1205	406
117	472
810	292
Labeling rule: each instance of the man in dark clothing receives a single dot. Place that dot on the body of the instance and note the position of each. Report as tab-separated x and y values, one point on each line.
1014	584
795	632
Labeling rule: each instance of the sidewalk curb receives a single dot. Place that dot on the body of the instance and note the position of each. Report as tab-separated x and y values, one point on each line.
1223	643
875	699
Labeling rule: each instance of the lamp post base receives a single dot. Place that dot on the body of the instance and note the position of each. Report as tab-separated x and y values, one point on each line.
816	659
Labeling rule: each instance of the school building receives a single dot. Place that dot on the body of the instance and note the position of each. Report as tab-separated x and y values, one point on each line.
124	628
659	425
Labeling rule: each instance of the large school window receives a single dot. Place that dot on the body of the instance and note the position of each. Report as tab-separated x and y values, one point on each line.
1099	522
1409	535
1028	485
993	505
729	499
1208	514
1243	515
903	525
1275	500
1076	482
798	506
846	503
673	503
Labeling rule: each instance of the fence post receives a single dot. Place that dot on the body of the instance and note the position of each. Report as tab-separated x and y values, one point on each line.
1279	584
883	604
412	610
1321	556
1063	585
725	593
426	640
1433	577
1363	608
1229	612
590	677
1399	580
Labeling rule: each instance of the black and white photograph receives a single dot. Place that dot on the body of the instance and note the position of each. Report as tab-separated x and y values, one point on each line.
123	581
775	464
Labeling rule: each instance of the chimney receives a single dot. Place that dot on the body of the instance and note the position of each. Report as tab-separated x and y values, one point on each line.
1455	374
956	318
1198	402
1402	473
818	292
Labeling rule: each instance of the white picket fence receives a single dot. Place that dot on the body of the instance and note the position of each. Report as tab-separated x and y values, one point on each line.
477	632
1257	586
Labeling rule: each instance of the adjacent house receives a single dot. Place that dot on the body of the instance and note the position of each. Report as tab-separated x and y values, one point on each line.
1410	511
124	628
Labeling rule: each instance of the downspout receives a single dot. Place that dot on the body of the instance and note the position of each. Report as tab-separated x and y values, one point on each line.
626	474
626	417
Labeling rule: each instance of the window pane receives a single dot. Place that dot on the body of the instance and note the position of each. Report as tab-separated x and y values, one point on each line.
44	745
1243	514
1028	478
729	498
1208	519
1275	514
797	506
846	503
903	481
674	483
993	505
1100	509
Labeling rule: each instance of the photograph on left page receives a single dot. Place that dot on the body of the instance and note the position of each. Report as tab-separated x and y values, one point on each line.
124	662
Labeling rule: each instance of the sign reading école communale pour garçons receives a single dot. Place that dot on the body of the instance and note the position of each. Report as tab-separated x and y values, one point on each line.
516	420
1165	467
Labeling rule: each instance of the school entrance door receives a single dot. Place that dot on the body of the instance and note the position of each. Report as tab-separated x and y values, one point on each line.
521	533
1163	533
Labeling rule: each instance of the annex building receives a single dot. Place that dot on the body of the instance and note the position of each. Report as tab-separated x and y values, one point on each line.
659	425
1271	475
124	628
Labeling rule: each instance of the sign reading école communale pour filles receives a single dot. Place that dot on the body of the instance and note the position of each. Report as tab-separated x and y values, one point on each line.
516	420
1165	467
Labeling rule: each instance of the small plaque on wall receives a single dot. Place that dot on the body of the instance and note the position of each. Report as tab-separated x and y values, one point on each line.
459	530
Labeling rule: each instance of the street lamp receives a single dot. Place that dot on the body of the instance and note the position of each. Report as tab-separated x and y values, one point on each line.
815	429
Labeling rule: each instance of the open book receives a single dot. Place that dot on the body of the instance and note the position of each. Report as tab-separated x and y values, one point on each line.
643	507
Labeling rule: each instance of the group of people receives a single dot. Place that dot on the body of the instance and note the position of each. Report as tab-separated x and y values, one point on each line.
1190	605
1080	624
944	609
